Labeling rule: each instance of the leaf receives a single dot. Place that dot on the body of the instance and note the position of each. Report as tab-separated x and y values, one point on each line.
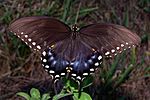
133	56
88	81
87	10
126	19
45	96
58	96
84	96
67	4
35	93
123	76
111	72
33	98
23	94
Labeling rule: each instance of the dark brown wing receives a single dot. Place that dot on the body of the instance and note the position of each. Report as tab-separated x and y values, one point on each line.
109	39
39	32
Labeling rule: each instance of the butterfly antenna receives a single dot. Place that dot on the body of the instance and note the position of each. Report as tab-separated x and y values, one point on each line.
77	15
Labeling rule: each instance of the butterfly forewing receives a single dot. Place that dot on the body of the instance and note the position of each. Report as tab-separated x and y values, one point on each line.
39	32
109	39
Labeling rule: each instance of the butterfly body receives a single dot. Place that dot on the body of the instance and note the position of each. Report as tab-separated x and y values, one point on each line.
67	57
74	52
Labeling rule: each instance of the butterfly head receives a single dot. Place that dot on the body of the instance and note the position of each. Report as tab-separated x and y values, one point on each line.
74	28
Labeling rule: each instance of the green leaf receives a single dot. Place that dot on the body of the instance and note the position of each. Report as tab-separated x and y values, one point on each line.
112	70
88	81
23	94
133	56
67	4
45	96
87	10
59	96
123	76
84	96
126	19
35	93
33	98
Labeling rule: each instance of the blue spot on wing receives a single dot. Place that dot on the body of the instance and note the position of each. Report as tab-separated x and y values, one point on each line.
80	66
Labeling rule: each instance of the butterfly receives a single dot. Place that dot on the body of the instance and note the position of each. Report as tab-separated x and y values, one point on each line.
72	51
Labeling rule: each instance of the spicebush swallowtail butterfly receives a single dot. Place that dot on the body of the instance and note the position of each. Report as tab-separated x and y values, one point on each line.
72	51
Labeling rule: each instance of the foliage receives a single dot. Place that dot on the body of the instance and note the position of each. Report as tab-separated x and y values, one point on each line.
34	95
